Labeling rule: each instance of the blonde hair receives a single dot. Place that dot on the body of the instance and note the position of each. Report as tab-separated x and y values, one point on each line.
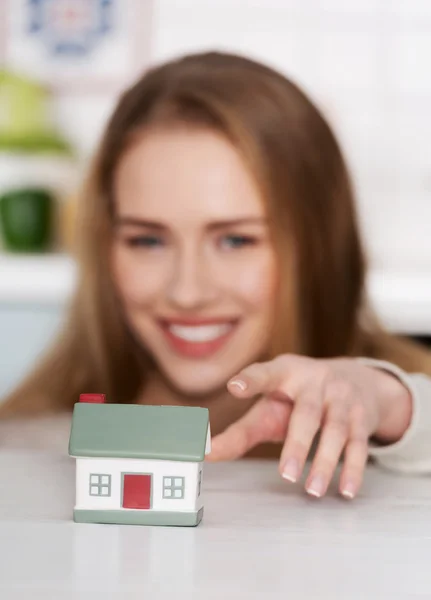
322	309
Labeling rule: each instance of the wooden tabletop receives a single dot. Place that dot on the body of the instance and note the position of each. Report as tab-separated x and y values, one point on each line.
260	537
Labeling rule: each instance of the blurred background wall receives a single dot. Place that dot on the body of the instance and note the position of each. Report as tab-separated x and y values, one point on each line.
366	63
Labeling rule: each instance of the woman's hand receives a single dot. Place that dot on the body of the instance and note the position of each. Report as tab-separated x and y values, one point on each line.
344	399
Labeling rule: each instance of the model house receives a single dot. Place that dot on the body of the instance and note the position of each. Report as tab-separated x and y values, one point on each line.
138	464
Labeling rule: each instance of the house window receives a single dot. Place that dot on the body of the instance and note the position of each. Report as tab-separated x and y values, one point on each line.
199	483
173	487
100	485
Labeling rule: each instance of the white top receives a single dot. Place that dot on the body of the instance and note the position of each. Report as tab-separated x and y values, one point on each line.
261	537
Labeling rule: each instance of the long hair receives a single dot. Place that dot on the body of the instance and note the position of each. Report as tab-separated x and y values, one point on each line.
322	308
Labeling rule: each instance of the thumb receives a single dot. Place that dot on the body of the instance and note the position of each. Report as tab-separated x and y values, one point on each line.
266	421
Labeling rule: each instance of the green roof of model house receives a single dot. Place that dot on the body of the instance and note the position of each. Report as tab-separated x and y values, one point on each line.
138	431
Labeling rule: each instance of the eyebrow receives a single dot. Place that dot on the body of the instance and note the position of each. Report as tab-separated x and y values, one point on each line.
214	225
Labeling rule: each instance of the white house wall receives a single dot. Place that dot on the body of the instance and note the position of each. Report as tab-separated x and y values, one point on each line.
158	468
208	440
200	498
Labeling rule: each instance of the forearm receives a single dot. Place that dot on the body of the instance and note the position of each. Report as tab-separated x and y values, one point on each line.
411	452
395	408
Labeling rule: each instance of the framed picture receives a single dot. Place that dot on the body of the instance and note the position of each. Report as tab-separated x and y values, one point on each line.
77	44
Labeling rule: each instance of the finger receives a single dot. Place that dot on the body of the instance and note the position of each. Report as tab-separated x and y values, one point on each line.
331	445
266	421
304	423
258	378
355	455
281	378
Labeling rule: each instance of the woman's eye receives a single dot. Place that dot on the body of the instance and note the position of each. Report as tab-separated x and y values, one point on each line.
147	241
238	241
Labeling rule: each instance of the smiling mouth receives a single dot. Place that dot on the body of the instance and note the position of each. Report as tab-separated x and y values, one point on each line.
198	340
200	333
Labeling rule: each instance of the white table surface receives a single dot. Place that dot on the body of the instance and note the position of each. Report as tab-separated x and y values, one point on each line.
260	537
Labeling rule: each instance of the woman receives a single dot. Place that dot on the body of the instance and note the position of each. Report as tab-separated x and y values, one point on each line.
221	265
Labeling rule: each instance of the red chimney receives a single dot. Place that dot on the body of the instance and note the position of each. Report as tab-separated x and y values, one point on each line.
92	398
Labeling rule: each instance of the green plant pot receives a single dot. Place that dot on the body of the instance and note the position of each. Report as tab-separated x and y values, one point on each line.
26	217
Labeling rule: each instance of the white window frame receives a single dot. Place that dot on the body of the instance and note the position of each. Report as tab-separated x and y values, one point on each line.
97	484
171	486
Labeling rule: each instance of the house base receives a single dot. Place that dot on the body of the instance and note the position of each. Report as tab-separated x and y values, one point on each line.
139	517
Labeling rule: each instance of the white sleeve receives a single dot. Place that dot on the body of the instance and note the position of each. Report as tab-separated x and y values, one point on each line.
412	453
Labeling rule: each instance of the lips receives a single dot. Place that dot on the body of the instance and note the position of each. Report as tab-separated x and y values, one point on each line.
196	322
198	338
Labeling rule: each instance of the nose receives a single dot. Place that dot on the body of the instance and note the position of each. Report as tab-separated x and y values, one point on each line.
190	285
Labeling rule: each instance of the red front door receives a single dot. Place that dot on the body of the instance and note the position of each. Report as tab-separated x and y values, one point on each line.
137	491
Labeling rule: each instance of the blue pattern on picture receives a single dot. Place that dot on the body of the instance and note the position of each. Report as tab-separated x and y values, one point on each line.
70	27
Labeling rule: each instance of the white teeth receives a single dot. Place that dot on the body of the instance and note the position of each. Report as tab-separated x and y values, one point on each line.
200	333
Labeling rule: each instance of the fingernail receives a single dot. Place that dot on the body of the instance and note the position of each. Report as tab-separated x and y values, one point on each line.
240	383
316	486
290	470
349	490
